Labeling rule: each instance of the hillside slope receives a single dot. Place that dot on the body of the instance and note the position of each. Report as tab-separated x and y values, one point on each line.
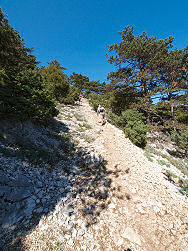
116	198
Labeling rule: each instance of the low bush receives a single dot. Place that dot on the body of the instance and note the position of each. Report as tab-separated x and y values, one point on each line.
98	99
181	139
72	96
136	131
25	96
132	123
134	127
113	119
132	115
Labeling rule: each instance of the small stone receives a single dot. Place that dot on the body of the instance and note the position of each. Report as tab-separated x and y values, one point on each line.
70	242
103	193
46	210
112	206
120	242
62	248
40	194
156	209
84	247
39	184
12	227
43	201
133	190
62	190
140	209
74	233
176	180
107	182
84	225
26	222
129	234
81	232
174	232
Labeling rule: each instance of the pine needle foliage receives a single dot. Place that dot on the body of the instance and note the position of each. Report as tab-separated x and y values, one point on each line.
23	93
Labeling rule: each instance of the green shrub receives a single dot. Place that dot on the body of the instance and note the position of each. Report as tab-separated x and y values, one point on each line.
72	96
56	80
96	99
134	128
132	115
25	96
181	139
131	121
181	117
136	131
114	119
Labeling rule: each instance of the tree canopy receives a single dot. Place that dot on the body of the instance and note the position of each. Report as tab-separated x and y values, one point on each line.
23	93
56	79
78	80
151	66
13	52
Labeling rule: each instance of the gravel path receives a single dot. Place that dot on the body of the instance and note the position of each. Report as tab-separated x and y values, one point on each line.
147	211
142	210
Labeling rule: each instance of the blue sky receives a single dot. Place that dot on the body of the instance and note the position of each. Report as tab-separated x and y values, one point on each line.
77	32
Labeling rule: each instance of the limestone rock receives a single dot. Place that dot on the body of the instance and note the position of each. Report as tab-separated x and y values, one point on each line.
130	234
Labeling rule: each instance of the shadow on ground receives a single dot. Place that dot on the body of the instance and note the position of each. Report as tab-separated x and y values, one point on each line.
40	167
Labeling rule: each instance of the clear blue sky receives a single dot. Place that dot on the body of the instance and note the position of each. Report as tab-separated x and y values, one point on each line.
77	32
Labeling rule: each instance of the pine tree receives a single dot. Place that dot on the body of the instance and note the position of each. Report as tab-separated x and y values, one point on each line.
56	80
148	65
80	81
23	93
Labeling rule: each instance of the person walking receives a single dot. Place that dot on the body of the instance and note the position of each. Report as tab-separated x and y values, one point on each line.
80	97
101	112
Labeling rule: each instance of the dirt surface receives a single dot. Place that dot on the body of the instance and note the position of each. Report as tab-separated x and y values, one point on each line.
144	211
147	212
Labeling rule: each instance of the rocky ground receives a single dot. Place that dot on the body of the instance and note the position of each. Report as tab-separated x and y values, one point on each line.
93	191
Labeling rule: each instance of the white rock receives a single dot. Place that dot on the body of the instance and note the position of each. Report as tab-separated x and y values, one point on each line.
81	232
74	233
156	209
120	242
133	190
112	206
129	234
70	242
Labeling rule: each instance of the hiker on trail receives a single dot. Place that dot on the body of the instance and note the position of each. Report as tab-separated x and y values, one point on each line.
101	114
80	98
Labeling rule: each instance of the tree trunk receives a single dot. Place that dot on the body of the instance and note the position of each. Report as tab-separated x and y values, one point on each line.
172	110
147	101
172	114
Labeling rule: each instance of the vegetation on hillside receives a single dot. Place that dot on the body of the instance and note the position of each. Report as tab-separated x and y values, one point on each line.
150	79
146	91
23	93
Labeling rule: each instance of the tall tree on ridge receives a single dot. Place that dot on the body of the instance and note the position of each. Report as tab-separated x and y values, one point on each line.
138	59
174	78
56	79
78	80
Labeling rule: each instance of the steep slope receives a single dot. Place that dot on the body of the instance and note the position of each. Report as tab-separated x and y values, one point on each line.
116	199
144	210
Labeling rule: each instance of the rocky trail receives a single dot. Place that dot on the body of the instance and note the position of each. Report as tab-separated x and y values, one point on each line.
112	197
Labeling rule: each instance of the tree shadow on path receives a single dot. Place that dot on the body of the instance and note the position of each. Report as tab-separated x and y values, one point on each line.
41	167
